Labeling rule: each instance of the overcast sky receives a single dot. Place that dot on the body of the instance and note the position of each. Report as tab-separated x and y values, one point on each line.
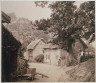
27	9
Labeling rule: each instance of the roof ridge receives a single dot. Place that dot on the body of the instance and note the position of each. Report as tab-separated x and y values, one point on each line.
34	43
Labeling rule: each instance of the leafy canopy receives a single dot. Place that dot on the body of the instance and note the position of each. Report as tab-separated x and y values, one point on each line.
68	23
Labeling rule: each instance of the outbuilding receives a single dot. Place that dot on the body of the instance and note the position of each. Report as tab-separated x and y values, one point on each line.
52	54
10	47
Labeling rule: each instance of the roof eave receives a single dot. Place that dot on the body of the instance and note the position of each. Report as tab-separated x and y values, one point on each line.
5	18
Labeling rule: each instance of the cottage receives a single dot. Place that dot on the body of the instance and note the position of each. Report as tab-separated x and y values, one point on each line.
52	54
35	48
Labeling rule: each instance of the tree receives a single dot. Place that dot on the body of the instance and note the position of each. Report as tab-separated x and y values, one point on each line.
60	23
68	23
85	16
41	3
43	24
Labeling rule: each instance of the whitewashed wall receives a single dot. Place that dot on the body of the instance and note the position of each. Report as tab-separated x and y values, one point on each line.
54	56
38	49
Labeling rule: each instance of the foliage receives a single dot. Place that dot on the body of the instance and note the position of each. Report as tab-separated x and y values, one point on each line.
41	3
85	17
39	58
67	22
24	30
60	22
43	24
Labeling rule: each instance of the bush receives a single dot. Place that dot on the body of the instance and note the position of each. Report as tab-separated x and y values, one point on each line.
70	61
85	72
85	58
39	58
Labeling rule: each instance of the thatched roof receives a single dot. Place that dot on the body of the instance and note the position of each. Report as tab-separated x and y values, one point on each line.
34	43
8	40
5	18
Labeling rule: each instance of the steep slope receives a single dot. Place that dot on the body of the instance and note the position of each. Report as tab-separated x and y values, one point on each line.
85	72
24	30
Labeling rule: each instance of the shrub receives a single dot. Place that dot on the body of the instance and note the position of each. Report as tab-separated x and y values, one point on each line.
39	58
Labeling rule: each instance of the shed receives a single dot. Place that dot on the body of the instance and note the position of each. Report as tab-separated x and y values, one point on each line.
52	54
10	48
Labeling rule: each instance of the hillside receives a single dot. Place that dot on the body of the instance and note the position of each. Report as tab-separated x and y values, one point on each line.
85	72
24	30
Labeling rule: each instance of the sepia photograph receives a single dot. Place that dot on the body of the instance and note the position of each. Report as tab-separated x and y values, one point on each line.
48	41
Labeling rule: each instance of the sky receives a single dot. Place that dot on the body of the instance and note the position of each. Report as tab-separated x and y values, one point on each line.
28	9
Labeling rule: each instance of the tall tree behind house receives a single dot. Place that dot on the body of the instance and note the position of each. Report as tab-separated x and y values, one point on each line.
68	23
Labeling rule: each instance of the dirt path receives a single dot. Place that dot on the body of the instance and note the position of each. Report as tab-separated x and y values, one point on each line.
54	73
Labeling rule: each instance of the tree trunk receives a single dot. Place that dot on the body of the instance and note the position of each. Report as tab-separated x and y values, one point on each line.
70	58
